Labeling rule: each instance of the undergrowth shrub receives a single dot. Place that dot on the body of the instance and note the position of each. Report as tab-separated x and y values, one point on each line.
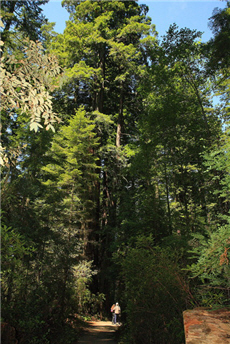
155	294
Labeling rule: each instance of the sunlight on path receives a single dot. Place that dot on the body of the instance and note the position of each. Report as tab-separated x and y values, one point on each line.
99	332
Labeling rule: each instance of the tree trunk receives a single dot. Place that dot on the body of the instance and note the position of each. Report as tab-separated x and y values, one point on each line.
207	327
100	93
120	117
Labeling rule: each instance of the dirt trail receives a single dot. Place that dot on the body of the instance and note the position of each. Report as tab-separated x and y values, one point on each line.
98	332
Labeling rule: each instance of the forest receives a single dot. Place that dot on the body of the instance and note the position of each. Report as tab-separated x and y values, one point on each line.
115	178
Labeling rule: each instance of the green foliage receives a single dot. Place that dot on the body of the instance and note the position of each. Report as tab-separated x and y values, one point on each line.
218	62
13	249
211	251
218	45
15	256
13	245
24	17
105	207
83	274
101	50
211	266
217	162
154	294
26	83
71	172
176	128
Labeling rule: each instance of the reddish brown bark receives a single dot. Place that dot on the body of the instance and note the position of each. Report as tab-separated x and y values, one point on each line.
203	326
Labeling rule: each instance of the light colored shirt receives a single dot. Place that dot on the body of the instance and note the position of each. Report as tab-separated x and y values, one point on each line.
117	309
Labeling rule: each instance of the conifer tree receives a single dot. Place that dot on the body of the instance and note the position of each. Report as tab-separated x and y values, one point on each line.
22	17
104	50
180	124
71	175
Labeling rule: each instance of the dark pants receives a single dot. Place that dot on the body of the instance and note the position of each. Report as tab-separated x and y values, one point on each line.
117	318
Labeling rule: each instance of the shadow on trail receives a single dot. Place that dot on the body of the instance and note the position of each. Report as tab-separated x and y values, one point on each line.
98	332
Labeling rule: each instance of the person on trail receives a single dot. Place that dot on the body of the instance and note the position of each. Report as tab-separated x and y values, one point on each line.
113	314
117	311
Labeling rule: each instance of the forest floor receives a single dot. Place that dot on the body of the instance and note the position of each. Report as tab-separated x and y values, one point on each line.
98	332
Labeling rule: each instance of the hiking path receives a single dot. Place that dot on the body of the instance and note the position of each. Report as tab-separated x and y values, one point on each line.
98	332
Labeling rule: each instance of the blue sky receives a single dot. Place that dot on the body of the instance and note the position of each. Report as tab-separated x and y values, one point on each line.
192	14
